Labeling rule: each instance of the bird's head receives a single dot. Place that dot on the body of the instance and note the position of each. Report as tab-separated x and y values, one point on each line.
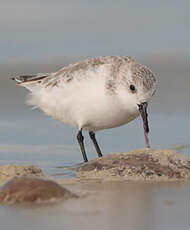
141	85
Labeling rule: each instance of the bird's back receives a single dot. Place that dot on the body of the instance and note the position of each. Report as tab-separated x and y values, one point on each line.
75	71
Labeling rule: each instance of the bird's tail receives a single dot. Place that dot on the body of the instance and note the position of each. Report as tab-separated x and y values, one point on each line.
30	79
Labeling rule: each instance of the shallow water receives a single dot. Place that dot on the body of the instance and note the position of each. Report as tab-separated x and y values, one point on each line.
29	137
109	206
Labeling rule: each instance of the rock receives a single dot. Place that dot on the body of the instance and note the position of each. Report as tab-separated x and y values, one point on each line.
25	190
142	164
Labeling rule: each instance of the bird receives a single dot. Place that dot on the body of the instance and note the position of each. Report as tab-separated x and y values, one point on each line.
94	94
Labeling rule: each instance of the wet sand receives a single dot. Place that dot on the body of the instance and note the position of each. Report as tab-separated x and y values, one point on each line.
138	165
106	205
8	172
33	191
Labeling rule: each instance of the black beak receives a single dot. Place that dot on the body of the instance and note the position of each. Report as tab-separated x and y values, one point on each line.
144	115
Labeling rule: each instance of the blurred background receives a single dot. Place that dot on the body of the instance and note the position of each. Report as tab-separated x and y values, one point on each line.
43	36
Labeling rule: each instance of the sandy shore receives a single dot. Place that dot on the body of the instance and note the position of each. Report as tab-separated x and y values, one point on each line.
28	184
8	172
142	165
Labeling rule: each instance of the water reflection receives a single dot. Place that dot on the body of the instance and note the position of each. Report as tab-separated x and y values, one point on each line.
109	206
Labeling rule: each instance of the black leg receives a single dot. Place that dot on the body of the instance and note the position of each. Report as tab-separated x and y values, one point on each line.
92	136
80	139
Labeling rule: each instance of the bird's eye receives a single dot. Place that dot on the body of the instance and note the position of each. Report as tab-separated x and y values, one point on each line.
132	88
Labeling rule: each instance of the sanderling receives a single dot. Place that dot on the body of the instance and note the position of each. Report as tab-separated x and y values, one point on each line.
94	94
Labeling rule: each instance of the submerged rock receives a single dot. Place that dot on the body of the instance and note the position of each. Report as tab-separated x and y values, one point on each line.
8	172
142	164
33	191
